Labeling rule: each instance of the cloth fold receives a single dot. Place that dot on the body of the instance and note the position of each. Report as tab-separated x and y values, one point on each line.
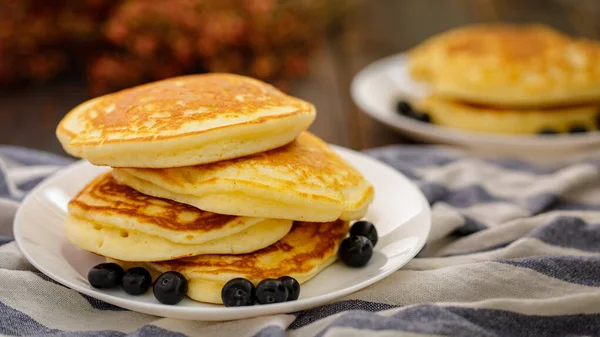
514	251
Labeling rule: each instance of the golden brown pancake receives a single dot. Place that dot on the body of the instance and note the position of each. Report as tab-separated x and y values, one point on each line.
183	121
509	65
116	221
306	250
489	119
304	180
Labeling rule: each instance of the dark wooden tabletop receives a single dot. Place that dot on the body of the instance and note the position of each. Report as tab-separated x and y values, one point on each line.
28	117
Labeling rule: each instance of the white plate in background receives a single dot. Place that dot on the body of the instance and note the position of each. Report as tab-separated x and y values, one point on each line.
378	87
399	211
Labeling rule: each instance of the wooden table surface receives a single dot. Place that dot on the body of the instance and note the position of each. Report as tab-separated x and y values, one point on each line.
29	116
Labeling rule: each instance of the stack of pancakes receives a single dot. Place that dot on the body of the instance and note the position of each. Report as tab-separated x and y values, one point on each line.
213	176
508	78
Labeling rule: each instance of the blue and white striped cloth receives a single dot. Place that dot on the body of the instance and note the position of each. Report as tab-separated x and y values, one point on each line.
514	251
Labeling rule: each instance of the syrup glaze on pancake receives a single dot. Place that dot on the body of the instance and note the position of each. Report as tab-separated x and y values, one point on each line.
304	180
106	202
306	250
509	65
156	121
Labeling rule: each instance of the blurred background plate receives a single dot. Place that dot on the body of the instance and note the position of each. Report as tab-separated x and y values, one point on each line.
378	87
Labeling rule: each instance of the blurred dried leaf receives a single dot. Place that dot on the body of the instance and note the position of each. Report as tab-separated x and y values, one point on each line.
120	43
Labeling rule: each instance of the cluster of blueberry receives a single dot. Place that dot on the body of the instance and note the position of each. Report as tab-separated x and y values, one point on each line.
573	129
357	249
241	292
406	110
169	287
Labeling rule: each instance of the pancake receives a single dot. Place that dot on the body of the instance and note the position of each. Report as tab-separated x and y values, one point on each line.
509	65
304	180
137	246
306	250
116	221
480	118
182	121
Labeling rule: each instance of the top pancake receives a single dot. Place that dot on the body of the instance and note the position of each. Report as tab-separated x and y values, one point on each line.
184	121
304	180
509	65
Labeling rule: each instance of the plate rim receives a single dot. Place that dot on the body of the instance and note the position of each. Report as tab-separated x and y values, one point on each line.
448	134
184	312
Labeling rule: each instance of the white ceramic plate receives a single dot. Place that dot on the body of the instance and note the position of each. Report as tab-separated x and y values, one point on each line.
400	212
377	88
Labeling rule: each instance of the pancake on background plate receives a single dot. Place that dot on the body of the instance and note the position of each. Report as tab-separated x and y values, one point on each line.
462	115
509	65
184	121
306	250
116	221
304	180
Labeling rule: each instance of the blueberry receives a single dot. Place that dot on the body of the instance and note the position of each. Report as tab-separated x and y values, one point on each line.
403	108
420	116
105	275
578	129
356	251
170	287
136	281
548	131
238	292
271	291
292	286
366	229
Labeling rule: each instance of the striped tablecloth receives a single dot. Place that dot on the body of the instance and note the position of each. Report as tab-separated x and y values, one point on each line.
514	251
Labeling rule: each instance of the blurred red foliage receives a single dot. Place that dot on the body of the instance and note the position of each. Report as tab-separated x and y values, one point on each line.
120	43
